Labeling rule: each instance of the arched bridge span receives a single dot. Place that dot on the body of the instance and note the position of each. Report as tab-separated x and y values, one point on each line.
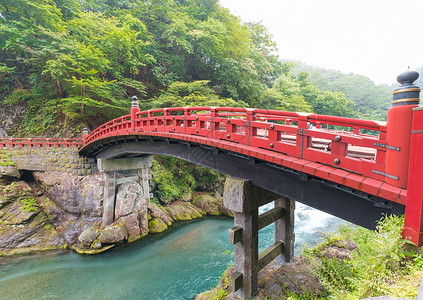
334	164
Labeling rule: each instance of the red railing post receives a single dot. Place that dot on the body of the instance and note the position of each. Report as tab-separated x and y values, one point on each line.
135	108
303	141
166	120
251	130
399	123
187	123
84	135
413	223
213	124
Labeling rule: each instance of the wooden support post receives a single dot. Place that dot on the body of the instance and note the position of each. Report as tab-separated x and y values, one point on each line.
109	197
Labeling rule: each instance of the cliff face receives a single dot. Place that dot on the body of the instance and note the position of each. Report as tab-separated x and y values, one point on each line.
55	210
24	227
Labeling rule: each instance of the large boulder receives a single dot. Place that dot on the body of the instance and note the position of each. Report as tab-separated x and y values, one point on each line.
8	174
113	234
132	225
87	237
183	211
156	225
143	217
23	227
130	197
275	282
74	194
207	204
157	212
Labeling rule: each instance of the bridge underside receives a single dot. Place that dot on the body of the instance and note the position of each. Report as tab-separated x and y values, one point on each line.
344	202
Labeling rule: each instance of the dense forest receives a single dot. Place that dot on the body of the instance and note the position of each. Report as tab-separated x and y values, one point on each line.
77	62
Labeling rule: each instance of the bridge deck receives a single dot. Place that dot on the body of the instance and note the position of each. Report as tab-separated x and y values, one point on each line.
342	177
346	151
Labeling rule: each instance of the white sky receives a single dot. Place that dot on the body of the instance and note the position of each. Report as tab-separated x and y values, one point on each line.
375	38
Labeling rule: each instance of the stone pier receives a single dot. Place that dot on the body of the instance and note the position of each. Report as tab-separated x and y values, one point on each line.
244	199
119	171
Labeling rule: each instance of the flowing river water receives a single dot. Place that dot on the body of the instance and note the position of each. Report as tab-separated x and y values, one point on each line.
178	264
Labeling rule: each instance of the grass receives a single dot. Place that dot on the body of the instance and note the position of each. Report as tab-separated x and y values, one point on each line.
29	203
5	161
382	264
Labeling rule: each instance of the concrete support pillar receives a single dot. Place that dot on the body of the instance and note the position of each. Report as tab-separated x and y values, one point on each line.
144	180
244	199
109	197
284	230
109	167
246	252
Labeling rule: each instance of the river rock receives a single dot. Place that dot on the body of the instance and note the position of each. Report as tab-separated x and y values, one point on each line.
340	250
183	211
207	204
8	174
23	230
72	229
143	217
87	237
74	194
274	281
132	225
156	225
113	234
130	197
156	212
10	171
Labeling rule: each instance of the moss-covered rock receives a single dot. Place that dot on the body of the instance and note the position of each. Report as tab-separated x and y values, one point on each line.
36	234
23	227
113	234
156	225
275	282
87	237
206	203
183	211
8	172
91	251
156	211
132	225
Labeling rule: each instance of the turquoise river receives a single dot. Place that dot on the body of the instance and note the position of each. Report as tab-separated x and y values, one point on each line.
178	264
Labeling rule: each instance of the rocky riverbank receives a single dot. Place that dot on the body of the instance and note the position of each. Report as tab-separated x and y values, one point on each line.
275	282
52	210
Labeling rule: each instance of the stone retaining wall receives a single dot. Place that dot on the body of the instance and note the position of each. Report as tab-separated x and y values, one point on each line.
49	159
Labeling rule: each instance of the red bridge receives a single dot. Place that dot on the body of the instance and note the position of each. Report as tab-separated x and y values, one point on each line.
376	162
353	169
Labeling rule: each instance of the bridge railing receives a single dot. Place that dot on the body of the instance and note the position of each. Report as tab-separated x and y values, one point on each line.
40	142
340	142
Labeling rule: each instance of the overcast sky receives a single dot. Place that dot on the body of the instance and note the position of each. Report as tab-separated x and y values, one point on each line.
375	38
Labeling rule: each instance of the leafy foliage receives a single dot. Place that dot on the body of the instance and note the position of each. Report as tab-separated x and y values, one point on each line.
79	59
176	179
377	267
5	160
369	100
